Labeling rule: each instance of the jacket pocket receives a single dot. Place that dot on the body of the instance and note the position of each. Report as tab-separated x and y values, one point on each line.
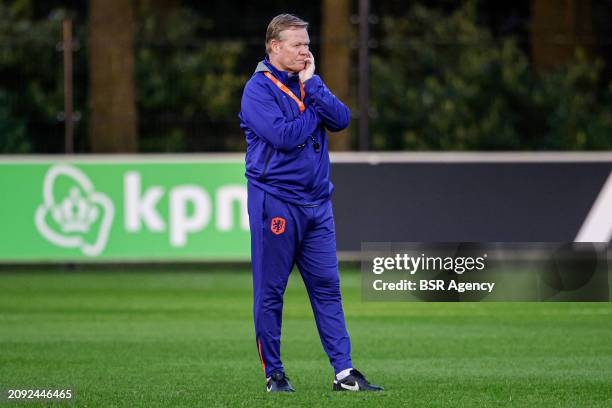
262	176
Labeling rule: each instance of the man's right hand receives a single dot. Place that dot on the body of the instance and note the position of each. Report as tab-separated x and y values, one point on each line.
309	69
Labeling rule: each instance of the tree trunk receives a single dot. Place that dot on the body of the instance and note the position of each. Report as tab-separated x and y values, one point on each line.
114	119
558	27
335	57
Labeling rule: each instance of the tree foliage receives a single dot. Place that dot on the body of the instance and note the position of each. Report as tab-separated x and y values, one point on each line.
30	78
442	82
184	81
439	82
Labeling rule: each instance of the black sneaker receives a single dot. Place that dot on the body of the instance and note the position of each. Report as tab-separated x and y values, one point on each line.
279	382
355	381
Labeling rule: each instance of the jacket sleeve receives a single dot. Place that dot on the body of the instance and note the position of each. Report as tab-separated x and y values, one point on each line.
334	114
264	117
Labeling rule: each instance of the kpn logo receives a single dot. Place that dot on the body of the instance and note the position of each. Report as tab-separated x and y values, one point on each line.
73	214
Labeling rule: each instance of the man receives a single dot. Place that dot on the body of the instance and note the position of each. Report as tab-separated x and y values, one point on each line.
285	110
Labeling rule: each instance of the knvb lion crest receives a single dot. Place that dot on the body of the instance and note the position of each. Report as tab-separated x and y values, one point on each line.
277	225
82	218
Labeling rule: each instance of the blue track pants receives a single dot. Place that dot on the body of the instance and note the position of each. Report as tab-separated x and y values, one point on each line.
282	235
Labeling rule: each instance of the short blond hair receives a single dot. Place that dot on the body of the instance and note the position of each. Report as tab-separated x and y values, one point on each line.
280	23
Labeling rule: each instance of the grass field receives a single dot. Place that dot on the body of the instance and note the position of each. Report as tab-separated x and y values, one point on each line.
143	339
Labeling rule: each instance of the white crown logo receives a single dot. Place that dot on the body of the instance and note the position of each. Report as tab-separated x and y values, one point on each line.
76	213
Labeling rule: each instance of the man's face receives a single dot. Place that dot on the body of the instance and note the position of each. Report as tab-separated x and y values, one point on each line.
292	49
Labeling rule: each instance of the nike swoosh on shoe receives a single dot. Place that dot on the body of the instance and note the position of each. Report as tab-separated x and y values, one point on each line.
350	387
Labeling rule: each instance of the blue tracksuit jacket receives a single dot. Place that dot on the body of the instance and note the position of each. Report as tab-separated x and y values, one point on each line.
280	158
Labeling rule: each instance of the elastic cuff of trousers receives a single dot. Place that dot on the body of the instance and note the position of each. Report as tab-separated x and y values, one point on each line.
342	365
270	370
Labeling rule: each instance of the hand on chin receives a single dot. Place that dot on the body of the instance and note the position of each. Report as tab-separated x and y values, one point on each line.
299	66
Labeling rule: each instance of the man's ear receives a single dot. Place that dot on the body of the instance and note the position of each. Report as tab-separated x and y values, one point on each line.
274	45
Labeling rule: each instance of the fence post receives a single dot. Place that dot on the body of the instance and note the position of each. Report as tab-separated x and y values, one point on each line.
364	77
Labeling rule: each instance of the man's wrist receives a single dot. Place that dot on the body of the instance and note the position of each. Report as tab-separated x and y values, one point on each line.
312	85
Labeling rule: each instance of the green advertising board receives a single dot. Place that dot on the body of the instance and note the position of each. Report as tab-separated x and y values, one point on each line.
115	208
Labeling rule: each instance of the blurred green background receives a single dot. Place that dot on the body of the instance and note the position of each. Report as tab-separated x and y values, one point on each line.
167	75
